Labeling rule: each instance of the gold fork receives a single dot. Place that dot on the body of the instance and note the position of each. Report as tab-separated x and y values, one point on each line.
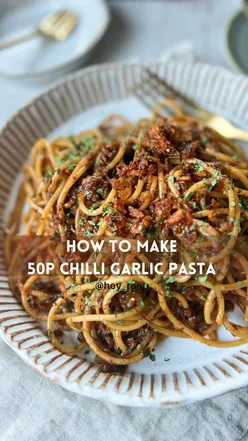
152	90
56	26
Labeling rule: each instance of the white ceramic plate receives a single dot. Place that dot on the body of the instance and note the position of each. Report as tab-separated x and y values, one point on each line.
193	371
41	55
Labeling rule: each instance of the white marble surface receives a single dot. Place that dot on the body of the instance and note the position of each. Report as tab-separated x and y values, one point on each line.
144	29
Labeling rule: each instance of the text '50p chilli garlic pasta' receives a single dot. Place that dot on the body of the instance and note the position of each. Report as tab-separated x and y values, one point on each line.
156	179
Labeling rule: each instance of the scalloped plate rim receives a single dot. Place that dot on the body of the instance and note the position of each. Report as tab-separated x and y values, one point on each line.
124	398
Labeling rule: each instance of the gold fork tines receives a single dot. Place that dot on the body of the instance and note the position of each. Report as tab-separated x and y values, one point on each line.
57	26
152	89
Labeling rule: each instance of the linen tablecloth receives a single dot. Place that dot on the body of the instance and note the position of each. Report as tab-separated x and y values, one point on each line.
31	408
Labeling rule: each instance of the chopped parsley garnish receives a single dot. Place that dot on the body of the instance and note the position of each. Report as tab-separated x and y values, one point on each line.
188	196
243	203
49	334
171	279
92	222
168	292
165	284
152	357
106	209
49	173
131	282
94	207
86	144
198	166
88	233
202	279
99	191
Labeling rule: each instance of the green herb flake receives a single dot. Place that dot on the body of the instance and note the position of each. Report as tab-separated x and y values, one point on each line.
99	191
152	357
198	166
49	334
89	234
243	203
188	196
171	279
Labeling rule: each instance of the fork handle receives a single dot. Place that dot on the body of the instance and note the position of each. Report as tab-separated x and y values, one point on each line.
18	40
239	134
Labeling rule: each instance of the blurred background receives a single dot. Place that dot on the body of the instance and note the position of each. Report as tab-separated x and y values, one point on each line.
113	31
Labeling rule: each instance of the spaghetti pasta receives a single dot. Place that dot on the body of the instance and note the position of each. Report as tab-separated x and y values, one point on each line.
155	179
